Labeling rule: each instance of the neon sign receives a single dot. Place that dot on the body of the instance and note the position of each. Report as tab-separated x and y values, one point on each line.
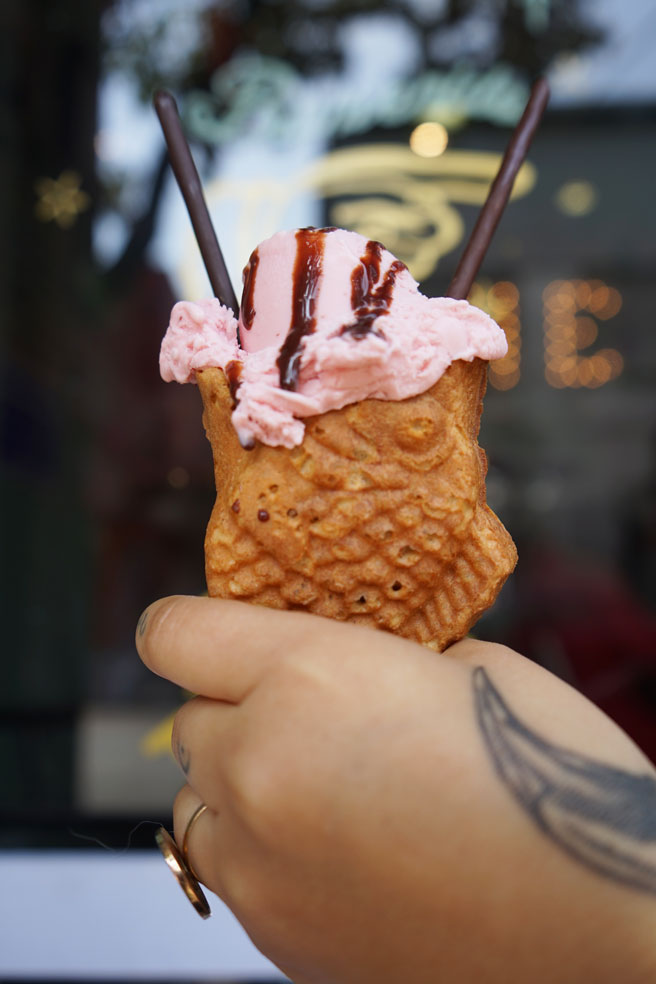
267	98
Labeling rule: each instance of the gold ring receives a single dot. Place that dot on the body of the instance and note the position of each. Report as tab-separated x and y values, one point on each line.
200	809
178	862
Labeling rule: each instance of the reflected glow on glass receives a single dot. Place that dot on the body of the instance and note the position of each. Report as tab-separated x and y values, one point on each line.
569	328
501	302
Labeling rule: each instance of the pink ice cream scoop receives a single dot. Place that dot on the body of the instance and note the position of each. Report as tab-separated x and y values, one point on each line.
327	318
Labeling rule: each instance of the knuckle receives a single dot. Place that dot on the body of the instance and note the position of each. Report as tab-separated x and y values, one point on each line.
261	791
296	678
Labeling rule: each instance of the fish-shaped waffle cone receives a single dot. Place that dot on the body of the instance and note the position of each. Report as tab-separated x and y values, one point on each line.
379	516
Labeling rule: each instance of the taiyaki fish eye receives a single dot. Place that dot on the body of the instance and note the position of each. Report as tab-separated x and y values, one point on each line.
417	433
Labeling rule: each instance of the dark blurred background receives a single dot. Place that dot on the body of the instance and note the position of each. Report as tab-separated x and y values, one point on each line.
385	117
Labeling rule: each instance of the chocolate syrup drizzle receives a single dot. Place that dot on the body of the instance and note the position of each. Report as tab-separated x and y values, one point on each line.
368	301
233	375
305	283
247	306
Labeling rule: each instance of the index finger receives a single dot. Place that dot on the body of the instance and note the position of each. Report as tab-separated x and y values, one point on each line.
219	649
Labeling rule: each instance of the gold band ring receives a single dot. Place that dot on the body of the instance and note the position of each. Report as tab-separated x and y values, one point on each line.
178	862
200	809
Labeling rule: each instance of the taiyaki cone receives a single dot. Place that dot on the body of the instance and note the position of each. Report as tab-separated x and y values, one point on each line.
379	516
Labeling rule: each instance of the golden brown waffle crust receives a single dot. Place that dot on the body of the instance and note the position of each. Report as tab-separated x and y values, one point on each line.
379	517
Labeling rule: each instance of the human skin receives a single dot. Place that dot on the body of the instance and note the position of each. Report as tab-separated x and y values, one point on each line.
368	819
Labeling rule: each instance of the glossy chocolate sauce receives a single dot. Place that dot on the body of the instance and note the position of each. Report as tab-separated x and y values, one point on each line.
367	300
247	305
305	283
233	375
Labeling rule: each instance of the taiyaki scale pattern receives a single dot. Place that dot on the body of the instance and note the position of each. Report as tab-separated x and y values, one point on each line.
379	517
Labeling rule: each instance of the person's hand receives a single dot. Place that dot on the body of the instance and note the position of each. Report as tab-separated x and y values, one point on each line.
379	813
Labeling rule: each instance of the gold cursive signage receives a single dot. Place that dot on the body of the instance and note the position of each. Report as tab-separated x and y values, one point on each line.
383	191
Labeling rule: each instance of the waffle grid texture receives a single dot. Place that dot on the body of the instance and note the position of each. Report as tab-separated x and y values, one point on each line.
379	517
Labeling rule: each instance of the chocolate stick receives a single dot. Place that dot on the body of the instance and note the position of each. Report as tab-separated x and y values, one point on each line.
499	193
189	183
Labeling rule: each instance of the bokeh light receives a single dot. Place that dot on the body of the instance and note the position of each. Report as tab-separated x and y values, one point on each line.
429	139
571	309
576	198
501	302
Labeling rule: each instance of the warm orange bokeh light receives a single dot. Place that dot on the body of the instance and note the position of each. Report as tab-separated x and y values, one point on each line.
571	308
501	301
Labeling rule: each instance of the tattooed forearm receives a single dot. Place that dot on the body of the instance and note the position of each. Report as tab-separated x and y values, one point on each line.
603	816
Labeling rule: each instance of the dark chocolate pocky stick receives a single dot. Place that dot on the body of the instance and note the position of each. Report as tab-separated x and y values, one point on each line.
189	183
499	193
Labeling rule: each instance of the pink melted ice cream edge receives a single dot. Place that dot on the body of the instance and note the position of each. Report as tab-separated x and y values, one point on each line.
328	318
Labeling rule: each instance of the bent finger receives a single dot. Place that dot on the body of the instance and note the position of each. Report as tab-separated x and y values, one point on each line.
203	740
222	649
